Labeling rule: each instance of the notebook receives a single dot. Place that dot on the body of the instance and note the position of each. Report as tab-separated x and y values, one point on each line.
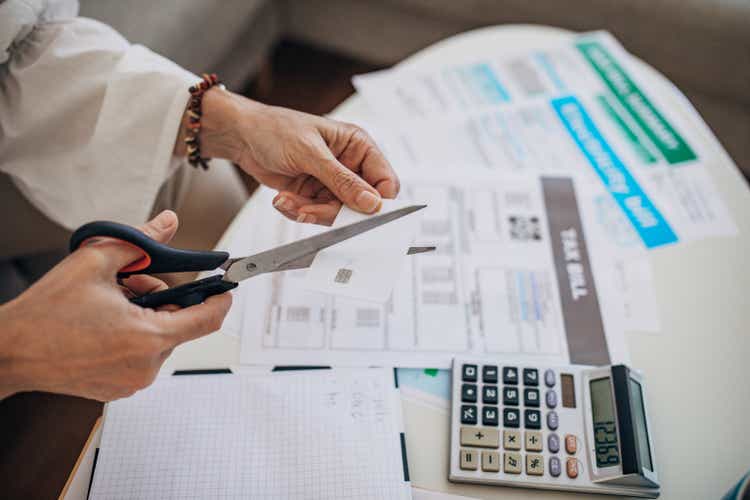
334	434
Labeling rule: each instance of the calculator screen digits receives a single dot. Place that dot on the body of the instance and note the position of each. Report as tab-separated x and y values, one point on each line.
605	428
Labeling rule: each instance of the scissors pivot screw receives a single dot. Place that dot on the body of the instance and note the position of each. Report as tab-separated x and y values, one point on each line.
250	266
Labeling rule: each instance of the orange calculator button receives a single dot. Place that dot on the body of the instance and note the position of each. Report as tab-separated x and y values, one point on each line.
571	446
571	467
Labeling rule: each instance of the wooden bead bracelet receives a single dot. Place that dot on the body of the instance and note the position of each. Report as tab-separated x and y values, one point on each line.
194	119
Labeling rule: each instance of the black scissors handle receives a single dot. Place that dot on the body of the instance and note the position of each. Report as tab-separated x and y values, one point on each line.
160	258
188	294
155	257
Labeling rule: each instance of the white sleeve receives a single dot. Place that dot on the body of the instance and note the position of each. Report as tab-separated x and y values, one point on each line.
88	121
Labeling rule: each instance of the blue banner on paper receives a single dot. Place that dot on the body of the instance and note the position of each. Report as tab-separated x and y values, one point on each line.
638	208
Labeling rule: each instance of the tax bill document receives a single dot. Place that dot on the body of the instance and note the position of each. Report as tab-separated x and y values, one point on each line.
517	272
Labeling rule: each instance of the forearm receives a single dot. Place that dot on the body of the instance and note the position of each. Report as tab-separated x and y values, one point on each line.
220	135
12	379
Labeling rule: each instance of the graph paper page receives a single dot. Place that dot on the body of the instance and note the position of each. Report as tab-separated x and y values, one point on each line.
323	434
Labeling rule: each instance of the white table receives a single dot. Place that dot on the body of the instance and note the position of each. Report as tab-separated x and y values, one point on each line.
696	369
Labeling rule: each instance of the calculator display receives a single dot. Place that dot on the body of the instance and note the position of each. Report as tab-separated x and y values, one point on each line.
605	428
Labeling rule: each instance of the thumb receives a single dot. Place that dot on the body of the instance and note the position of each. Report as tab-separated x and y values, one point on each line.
349	187
161	228
116	254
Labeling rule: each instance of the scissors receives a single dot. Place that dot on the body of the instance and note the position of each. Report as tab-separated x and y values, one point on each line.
160	258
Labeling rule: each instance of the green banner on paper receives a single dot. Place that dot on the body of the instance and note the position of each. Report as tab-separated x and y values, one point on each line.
666	139
640	149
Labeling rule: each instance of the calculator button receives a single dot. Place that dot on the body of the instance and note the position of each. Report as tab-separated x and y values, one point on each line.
531	397
512	440
490	461
489	374
549	377
553	421
551	399
510	396
534	464
554	466
469	393
469	373
489	394
533	440
532	419
571	467
512	462
480	436
510	375
469	459
571	446
468	414
553	442
490	415
511	417
530	376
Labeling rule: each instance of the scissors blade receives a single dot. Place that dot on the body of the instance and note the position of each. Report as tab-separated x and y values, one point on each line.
307	260
278	258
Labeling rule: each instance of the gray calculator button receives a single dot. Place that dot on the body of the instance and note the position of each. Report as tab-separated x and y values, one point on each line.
469	393
549	378
531	397
553	443
510	375
510	396
532	419
554	466
469	373
511	417
552	420
490	415
530	376
551	398
468	414
489	394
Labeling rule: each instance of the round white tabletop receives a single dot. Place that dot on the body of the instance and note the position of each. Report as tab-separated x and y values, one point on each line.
696	368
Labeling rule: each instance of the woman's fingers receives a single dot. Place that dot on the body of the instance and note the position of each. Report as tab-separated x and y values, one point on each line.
141	284
321	210
319	213
356	150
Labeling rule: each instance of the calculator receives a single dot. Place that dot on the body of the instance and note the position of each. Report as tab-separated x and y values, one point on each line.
569	427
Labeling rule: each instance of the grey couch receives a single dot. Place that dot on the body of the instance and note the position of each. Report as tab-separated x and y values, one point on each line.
701	45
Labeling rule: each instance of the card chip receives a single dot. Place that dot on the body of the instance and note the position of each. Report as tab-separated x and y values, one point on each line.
343	276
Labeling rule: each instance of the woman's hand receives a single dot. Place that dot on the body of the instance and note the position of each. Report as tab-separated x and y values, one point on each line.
314	162
75	332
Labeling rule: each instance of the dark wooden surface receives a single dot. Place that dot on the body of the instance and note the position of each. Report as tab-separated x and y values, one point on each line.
41	435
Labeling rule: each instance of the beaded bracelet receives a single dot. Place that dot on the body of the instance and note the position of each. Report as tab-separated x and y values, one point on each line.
194	119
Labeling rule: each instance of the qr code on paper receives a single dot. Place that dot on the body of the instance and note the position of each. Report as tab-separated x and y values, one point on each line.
524	228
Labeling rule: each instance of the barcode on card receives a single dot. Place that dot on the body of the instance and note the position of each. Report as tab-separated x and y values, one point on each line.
298	314
368	318
343	276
